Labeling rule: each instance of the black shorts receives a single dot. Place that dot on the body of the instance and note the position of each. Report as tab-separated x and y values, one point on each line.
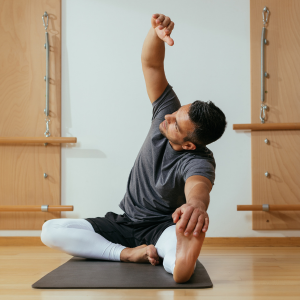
119	229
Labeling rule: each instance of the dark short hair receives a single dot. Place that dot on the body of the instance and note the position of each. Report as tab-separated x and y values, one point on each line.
209	120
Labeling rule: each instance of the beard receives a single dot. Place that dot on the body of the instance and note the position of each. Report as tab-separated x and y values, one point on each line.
161	131
164	134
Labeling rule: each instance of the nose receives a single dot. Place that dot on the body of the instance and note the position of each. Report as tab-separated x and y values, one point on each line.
169	118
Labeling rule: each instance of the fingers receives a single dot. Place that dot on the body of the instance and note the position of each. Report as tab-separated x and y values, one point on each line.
165	23
169	28
185	218
200	226
168	31
176	215
154	20
162	22
157	19
205	227
192	222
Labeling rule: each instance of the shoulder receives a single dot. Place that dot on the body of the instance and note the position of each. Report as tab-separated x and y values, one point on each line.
198	164
201	156
167	103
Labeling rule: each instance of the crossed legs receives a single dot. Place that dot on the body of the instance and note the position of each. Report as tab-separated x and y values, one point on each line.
78	238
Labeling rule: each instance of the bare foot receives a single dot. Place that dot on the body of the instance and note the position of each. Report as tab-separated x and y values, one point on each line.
187	251
141	254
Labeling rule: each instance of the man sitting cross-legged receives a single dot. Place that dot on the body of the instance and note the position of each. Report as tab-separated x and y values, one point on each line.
169	183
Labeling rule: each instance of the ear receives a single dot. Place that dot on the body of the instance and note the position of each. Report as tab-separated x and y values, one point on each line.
188	146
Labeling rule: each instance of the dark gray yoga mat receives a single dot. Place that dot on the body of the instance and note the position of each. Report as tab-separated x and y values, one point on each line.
82	273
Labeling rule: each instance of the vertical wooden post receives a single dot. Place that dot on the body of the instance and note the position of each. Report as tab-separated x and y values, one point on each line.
22	104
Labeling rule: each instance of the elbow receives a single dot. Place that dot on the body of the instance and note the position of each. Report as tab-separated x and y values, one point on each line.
146	63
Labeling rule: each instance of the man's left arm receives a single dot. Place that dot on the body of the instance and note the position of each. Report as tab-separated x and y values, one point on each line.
193	215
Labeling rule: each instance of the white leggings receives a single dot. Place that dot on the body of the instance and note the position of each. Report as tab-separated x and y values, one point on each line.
78	238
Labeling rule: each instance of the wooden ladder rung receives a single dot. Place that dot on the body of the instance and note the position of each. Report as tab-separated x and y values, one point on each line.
267	126
32	140
269	207
42	208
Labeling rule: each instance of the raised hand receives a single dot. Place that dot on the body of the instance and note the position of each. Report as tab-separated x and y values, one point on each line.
163	27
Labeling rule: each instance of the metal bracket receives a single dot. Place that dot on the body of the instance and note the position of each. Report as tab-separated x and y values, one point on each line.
262	116
44	207
46	77
47	132
265	207
264	74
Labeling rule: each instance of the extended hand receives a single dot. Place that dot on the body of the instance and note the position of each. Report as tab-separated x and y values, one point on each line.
163	27
192	219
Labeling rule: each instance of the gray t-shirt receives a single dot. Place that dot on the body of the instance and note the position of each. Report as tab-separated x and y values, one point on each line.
155	186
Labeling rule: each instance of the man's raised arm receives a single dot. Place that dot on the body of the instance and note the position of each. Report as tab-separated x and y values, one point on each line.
153	54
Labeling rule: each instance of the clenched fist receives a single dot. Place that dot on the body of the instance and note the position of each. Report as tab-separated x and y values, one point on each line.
163	27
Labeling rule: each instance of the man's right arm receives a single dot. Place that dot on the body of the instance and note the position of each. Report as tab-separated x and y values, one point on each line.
153	54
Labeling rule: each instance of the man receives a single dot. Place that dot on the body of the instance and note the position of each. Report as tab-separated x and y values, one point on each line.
169	183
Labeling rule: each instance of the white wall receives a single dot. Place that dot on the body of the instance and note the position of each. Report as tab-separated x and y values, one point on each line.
105	104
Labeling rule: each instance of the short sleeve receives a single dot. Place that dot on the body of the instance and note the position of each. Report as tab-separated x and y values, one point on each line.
201	167
167	103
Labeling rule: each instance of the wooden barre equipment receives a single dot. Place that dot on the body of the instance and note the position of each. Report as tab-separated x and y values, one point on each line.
267	126
31	140
269	207
44	208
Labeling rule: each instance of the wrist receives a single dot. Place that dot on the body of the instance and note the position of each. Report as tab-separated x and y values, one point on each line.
198	204
153	51
155	37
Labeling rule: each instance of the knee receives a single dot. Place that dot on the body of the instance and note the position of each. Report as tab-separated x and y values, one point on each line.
48	234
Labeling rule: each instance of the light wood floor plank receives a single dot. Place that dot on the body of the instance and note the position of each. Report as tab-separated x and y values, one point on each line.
237	273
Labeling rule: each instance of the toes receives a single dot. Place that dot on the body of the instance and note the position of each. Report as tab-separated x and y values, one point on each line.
152	252
152	261
153	257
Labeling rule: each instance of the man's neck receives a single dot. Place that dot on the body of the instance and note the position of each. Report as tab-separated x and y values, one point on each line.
176	147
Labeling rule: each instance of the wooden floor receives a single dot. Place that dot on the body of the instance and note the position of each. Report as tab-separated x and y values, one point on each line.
237	274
